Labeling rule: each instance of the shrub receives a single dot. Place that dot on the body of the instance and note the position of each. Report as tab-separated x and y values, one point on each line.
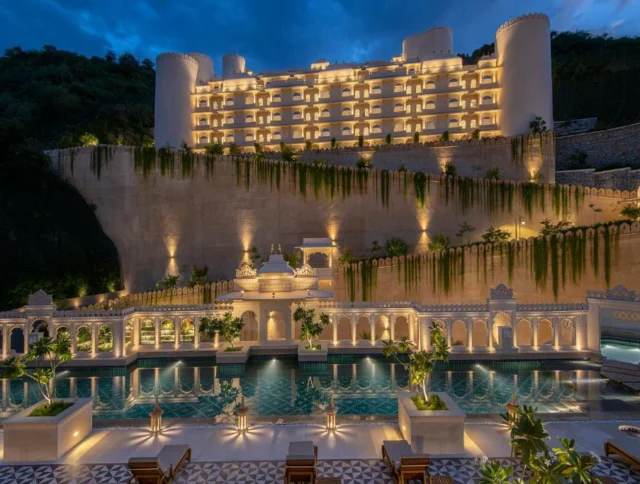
50	409
495	235
169	282
549	228
360	141
445	136
387	139
538	125
234	149
214	149
333	142
494	173
198	276
416	138
308	145
287	153
403	168
363	163
88	139
439	242
631	212
347	257
396	247
450	170
475	134
258	148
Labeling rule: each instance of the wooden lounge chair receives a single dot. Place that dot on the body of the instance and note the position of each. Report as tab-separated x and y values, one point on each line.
160	469
627	449
406	465
301	463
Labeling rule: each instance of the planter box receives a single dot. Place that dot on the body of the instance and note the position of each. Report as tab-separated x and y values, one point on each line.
305	355
38	439
431	431
232	357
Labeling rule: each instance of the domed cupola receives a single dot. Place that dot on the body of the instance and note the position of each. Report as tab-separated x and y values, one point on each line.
276	275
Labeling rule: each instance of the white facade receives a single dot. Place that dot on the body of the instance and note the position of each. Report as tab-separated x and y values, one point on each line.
426	90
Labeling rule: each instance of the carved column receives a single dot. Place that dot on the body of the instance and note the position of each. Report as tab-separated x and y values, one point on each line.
447	326
335	320
556	333
353	329
412	332
392	327
94	338
157	323
534	326
176	332
372	325
470	334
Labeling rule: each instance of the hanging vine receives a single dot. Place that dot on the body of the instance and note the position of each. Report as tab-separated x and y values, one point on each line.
100	155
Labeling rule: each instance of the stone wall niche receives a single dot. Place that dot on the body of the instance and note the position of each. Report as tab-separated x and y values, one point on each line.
431	431
46	439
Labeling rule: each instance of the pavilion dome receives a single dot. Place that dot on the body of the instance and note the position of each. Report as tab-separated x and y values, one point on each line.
276	266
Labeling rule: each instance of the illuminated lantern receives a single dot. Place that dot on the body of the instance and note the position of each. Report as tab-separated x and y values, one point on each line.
156	418
331	413
243	414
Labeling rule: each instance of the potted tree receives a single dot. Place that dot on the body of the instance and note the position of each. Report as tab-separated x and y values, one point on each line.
56	424
430	422
310	329
228	328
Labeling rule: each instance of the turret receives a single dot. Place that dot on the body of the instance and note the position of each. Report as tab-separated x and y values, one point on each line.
205	67
176	76
523	48
232	64
435	43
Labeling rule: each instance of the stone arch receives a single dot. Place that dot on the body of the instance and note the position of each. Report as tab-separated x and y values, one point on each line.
40	326
363	328
276	327
187	331
480	333
105	338
383	328
83	339
567	336
524	333
344	329
250	330
545	332
318	260
168	331
500	320
443	327
16	340
147	332
459	333
401	327
62	329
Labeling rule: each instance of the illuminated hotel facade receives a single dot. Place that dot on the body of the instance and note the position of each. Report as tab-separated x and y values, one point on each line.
426	90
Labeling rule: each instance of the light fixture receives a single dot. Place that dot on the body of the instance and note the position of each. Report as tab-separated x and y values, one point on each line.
243	417
76	433
156	418
331	413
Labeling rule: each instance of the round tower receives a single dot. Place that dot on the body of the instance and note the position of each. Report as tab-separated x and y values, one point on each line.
232	64
523	48
434	43
176	76
205	67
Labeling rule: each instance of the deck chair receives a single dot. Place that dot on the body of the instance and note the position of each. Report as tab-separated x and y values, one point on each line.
627	449
406	465
301	463
160	469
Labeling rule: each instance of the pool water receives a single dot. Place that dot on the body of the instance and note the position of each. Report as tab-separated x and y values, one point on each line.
625	351
283	388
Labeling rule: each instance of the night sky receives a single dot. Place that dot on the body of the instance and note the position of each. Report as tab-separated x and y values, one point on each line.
286	33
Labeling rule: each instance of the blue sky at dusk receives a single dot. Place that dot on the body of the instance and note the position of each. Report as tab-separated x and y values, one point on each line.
286	33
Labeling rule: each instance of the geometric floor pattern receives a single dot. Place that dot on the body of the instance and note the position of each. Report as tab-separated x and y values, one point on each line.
463	471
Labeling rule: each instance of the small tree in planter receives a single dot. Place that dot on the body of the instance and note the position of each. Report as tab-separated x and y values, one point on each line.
227	327
48	354
310	329
421	364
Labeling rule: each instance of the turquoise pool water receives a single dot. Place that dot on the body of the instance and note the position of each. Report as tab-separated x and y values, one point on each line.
626	351
282	387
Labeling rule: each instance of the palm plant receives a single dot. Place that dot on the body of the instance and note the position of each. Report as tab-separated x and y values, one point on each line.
48	354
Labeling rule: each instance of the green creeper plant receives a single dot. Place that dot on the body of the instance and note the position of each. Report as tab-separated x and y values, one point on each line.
310	329
169	282
495	235
198	276
631	212
48	354
227	327
396	247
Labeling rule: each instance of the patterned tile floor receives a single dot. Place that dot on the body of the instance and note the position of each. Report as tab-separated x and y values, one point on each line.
464	471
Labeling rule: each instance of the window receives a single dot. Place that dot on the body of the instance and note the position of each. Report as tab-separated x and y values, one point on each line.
472	103
398	87
230	101
325	132
398	107
297	115
430	105
376	109
419	88
346	111
297	133
346	91
487	100
412	71
202	103
409	90
486	79
277	135
473	123
203	121
248	137
307	116
398	127
276	98
431	85
454	82
203	139
453	103
487	120
260	102
418	108
346	131
453	123
249	118
308	98
376	129
297	96
326	113
187	331
376	90
229	120
277	116
83	339
230	138
147	333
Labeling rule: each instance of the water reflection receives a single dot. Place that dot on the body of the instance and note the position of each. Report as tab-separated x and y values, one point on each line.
361	386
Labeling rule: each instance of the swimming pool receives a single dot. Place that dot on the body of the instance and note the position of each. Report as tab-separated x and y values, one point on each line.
620	350
283	388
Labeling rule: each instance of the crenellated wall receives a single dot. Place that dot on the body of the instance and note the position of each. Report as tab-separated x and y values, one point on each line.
560	269
167	213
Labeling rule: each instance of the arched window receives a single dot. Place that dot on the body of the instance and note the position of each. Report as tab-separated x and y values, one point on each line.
277	135
105	339
398	107
480	334
567	333
325	132
277	116
487	78
376	129
545	332
297	115
297	96
412	71
398	87
453	123
346	131
83	339
326	113
453	102
487	120
128	334
454	82
524	333
62	330
376	109
230	101
229	120
346	111
147	332
459	333
203	121
187	331
248	137
430	85
398	127
230	138
203	139
487	100
376	90
202	103
249	118
167	331
276	98
346	91
430	105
